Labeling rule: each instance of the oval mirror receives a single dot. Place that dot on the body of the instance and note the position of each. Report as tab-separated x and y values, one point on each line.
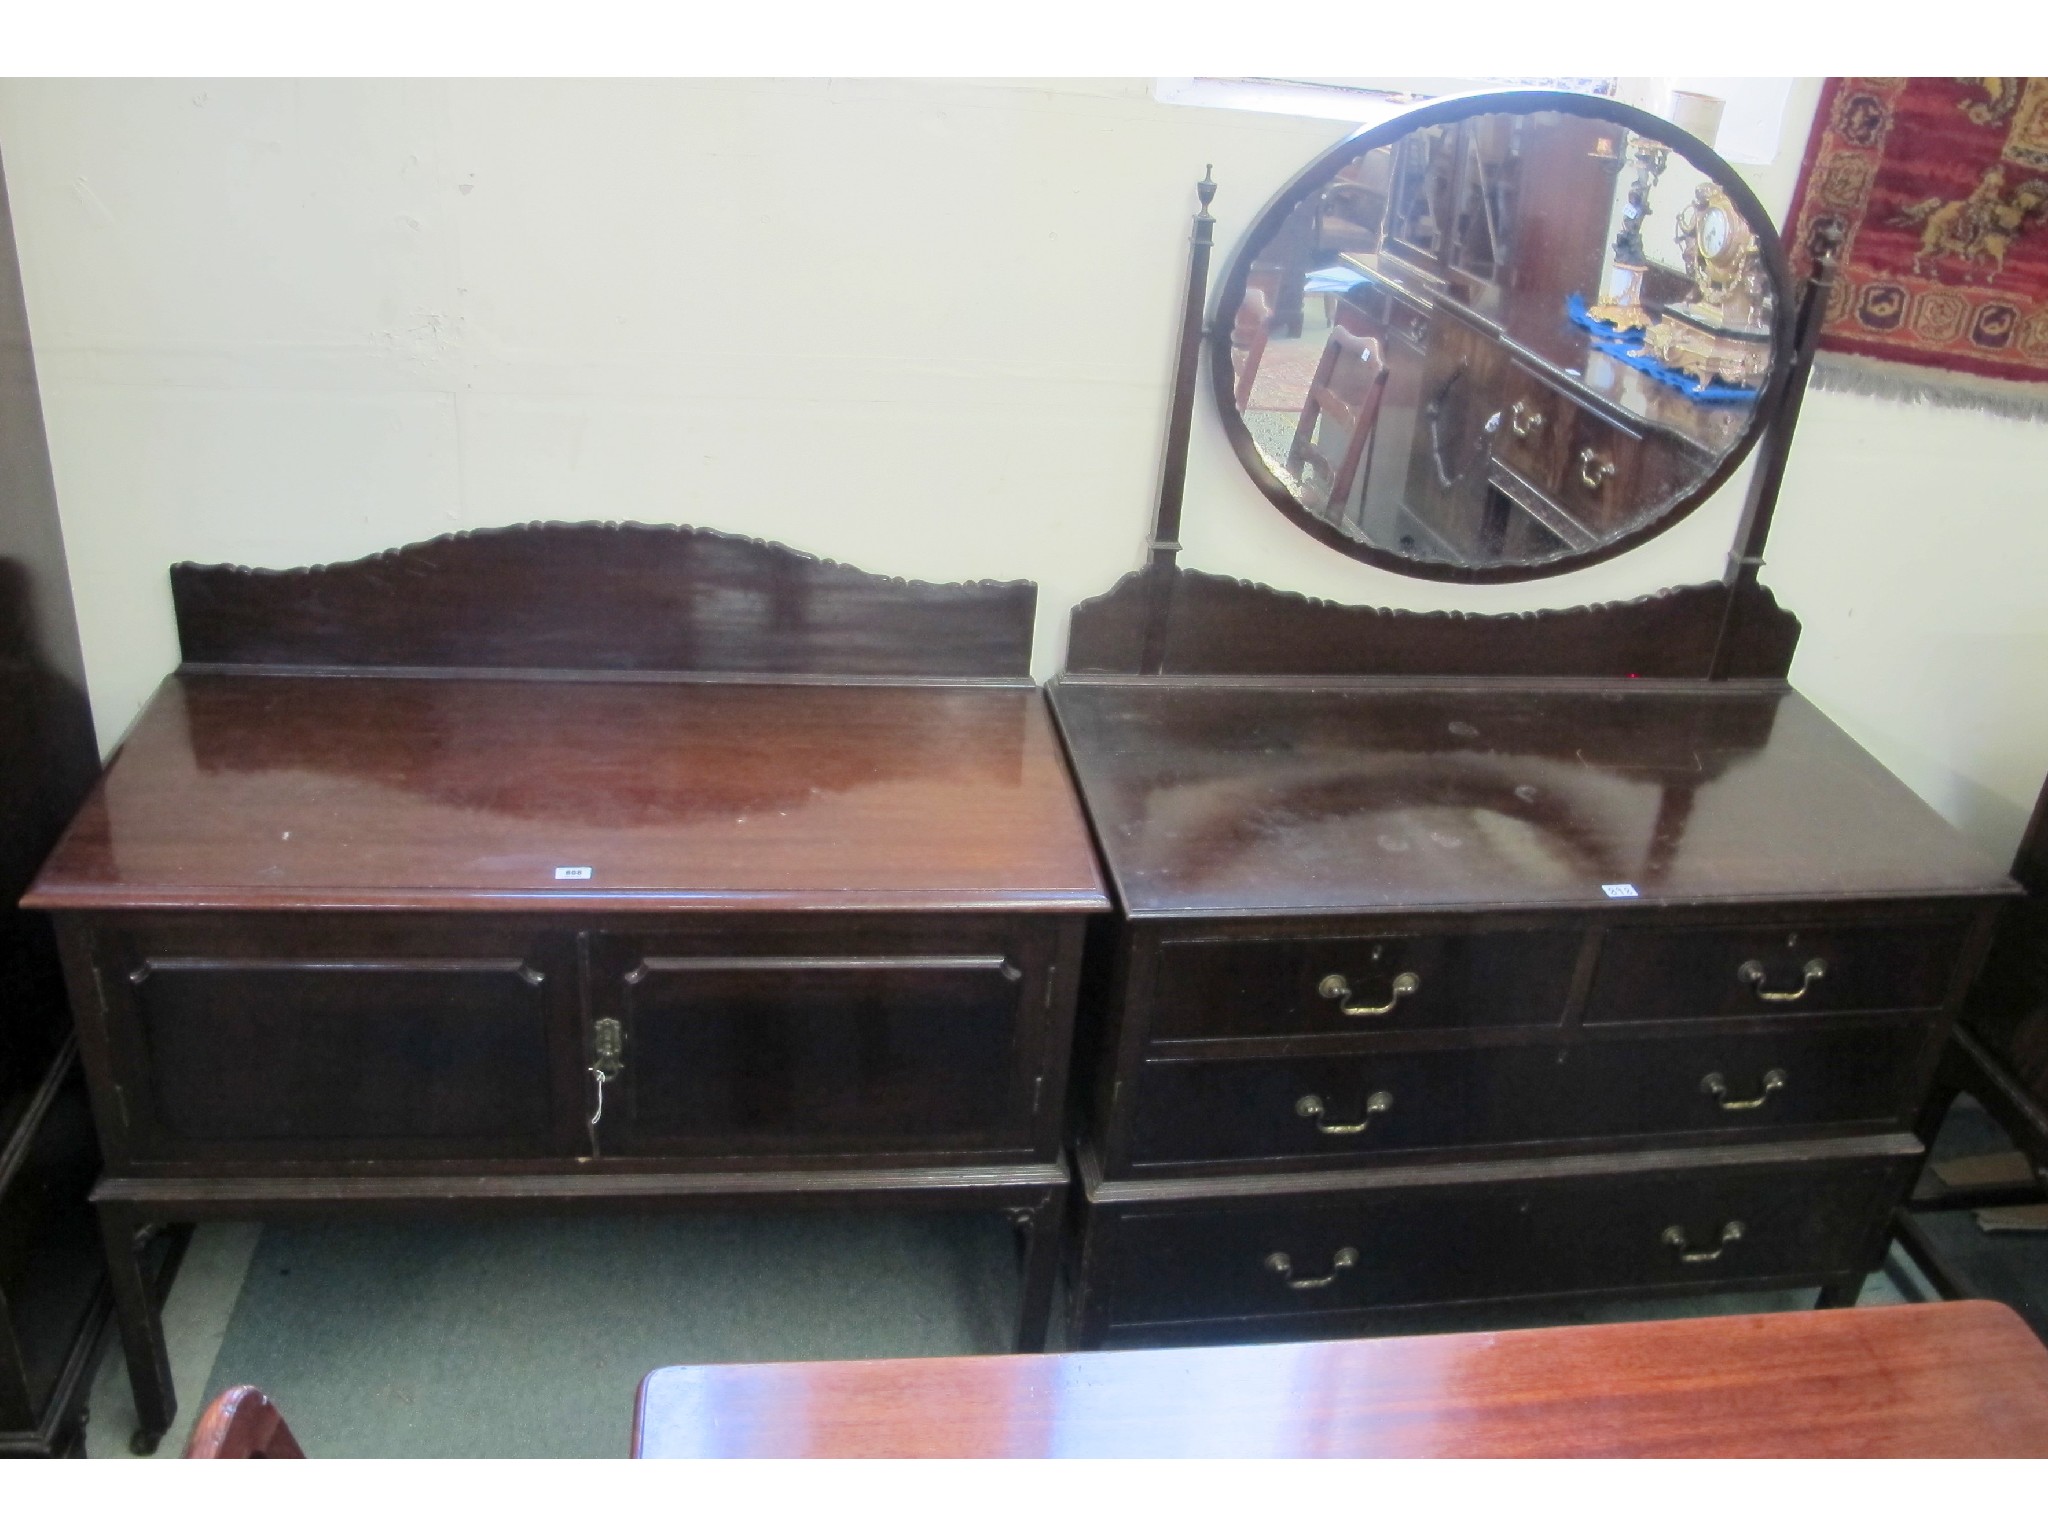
1502	336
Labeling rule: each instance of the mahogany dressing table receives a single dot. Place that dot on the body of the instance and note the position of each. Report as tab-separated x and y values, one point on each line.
1460	959
577	862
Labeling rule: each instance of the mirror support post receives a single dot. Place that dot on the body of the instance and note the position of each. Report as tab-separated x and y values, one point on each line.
1163	552
1746	557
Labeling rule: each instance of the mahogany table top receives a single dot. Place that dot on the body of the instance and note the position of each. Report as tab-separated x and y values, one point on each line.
296	791
1234	798
1944	1379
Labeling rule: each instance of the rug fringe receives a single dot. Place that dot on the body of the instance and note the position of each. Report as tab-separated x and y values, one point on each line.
1836	374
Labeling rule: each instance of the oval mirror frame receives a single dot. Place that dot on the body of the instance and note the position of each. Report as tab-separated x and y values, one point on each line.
1447	109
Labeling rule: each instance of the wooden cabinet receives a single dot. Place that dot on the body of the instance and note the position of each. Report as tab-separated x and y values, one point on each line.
53	1301
1431	995
430	928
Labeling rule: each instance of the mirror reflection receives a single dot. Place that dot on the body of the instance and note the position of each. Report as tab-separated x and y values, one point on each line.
1501	341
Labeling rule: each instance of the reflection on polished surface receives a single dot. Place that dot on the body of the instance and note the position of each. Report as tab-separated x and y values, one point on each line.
300	786
1363	796
1958	1378
1501	340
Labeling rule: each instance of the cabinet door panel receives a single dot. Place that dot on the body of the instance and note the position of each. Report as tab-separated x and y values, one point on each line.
812	1051
342	1044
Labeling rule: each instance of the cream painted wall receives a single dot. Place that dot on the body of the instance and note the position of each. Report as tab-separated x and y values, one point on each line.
922	326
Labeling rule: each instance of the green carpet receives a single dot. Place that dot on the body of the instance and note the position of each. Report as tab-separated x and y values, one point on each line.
527	1336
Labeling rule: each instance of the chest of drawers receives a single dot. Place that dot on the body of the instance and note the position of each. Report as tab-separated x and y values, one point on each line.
372	914
1427	996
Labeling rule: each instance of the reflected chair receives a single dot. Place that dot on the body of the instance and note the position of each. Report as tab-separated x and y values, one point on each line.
1332	443
1248	335
242	1425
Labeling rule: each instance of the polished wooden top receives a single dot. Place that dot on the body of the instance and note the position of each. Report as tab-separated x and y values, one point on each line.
1946	1379
1218	798
303	791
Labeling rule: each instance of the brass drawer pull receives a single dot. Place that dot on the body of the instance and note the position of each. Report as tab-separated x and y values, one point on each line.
1524	422
1594	471
1674	1237
1717	1085
1752	973
1338	990
1280	1264
1310	1107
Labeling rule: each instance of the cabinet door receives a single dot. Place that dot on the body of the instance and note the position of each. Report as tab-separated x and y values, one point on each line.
824	1041
339	1040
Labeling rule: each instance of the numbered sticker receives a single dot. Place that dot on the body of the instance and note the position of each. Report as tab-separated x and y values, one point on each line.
582	872
1621	892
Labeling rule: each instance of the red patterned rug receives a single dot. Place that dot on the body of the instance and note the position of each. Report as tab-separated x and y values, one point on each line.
1941	189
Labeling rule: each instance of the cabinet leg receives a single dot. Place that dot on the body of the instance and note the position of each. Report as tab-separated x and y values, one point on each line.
137	1310
1927	1125
1841	1293
1039	1227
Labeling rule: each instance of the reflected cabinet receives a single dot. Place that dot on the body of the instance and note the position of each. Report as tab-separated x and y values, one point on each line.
1488	341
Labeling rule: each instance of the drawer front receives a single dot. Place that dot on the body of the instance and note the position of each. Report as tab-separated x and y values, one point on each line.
1597	472
1239	988
1408	325
1357	1107
1759	970
1309	1256
823	1047
341	1042
1534	424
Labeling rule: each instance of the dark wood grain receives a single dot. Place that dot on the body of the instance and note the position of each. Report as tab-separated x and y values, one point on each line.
248	791
607	596
1559	1092
738	1052
1191	1259
1213	988
1223	626
1385	798
1965	1379
1742	970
